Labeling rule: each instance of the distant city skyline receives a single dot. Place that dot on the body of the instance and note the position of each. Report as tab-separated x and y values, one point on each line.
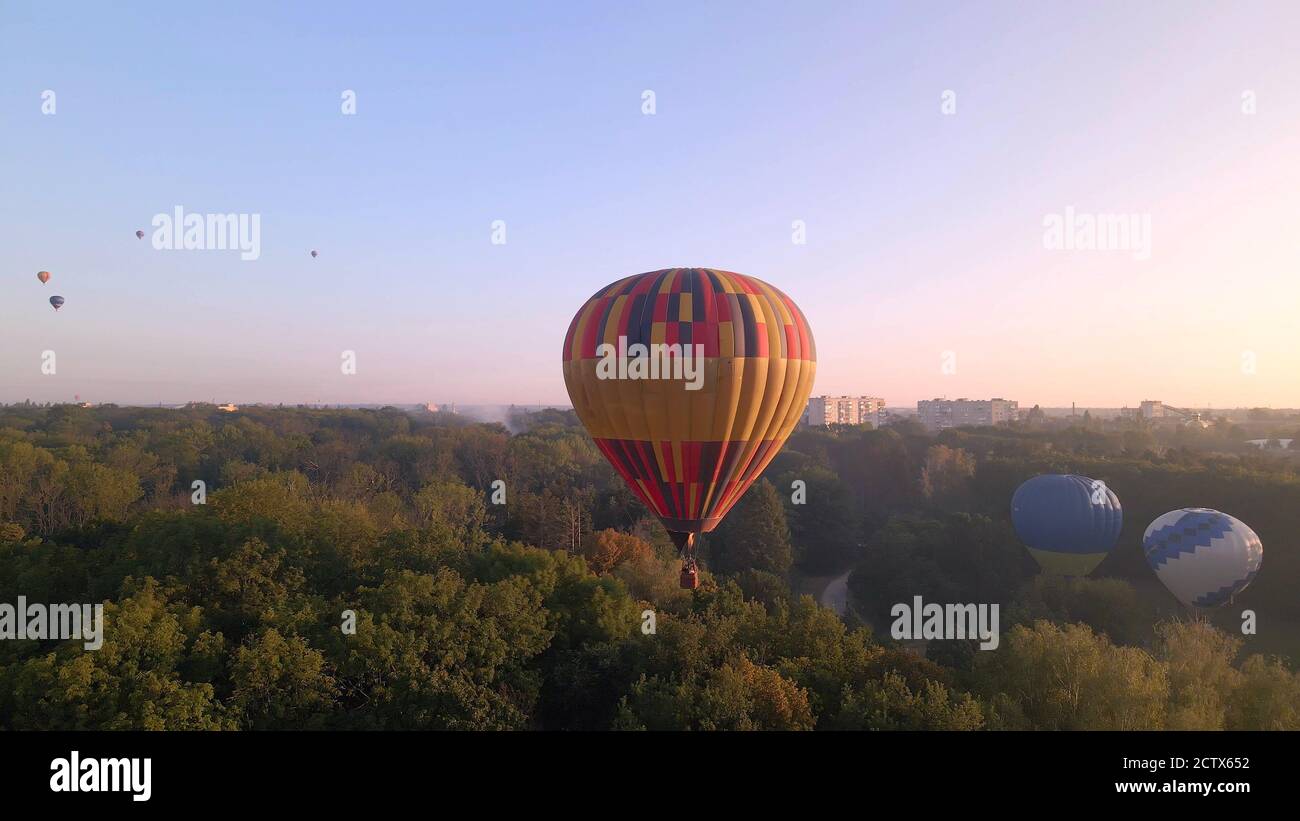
985	201
819	406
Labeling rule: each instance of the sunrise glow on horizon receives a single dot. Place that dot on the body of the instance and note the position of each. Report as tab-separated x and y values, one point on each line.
498	171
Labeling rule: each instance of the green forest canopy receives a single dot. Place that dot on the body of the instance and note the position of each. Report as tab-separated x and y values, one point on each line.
530	615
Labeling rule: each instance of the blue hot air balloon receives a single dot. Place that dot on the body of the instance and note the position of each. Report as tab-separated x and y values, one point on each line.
1203	556
1068	522
57	302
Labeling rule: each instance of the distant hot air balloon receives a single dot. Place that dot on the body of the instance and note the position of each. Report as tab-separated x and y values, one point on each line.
1203	556
57	302
313	254
1068	522
43	276
139	234
689	444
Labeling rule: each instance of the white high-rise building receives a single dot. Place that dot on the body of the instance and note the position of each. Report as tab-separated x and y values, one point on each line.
1153	409
939	414
844	410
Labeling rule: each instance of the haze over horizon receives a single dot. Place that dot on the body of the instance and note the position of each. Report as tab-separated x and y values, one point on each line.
925	230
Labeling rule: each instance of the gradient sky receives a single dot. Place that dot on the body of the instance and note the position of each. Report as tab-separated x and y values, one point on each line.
925	231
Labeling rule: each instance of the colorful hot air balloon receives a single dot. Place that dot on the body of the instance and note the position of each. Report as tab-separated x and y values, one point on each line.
57	302
1203	556
689	443
313	254
43	276
1068	522
139	234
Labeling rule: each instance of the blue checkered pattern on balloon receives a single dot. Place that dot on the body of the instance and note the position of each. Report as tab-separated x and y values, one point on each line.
1203	556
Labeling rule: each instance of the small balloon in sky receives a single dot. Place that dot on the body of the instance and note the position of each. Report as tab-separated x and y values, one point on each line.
43	276
57	302
313	254
139	234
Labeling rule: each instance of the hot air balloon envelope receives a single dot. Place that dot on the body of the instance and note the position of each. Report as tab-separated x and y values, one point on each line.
1203	556
43	276
1068	522
313	253
139	234
57	302
689	444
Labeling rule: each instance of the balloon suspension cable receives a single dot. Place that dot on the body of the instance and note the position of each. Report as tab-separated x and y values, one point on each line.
685	543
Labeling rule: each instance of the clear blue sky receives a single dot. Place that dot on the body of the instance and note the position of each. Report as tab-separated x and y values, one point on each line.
924	230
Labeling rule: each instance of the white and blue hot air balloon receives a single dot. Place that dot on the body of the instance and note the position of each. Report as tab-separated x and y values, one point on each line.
1203	556
1068	522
